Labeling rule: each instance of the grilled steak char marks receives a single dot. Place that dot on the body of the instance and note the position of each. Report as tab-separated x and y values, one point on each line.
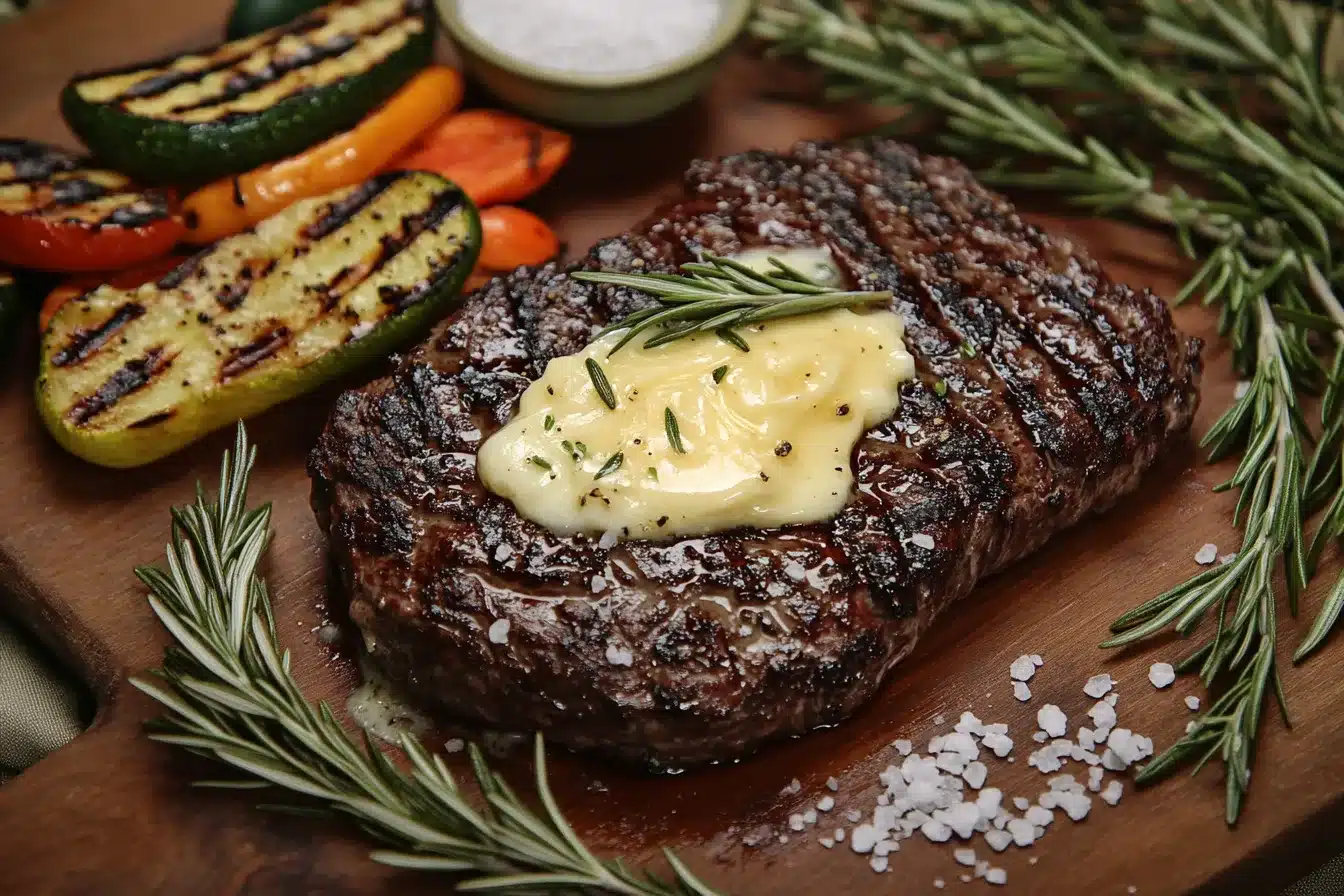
1061	388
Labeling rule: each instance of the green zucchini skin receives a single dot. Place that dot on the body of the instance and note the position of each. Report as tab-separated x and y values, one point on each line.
183	336
160	151
254	16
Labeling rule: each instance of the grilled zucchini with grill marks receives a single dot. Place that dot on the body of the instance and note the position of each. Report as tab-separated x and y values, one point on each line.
128	376
233	107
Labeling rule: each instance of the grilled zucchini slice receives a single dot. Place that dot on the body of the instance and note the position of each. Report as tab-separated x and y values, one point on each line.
129	376
233	107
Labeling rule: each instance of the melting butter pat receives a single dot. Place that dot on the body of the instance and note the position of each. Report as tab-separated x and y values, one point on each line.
766	434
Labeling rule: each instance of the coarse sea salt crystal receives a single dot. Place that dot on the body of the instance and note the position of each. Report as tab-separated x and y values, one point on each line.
1022	832
975	774
936	831
826	842
1206	555
962	744
1098	686
1036	660
878	863
863	838
1161	674
964	856
902	746
922	540
598	584
1021	803
792	787
1040	737
1192	703
1022	669
499	631
1114	789
1103	716
455	745
998	840
969	724
826	803
1000	744
1021	691
608	540
1040	816
996	876
1052	720
619	656
1094	776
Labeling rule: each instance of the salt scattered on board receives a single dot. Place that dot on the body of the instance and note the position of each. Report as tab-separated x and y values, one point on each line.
1161	675
1206	555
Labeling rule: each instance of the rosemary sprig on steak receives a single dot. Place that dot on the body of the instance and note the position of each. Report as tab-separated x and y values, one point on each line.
1004	78
720	295
229	694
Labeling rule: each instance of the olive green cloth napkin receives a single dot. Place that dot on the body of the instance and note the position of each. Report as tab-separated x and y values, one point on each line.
39	707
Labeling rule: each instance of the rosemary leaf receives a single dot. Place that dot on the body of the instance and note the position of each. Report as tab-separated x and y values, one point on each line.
611	466
673	431
600	383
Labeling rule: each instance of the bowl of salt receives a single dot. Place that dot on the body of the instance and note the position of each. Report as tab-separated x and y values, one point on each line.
594	63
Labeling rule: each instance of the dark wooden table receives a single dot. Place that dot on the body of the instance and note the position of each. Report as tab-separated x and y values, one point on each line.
111	813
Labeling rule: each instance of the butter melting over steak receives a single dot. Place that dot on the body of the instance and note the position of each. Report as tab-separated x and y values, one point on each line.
1061	387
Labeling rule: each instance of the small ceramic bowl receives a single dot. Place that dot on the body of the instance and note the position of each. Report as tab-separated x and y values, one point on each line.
588	100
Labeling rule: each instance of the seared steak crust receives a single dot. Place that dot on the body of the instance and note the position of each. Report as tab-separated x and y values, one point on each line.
1061	388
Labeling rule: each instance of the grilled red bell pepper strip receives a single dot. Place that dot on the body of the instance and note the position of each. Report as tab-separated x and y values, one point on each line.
58	214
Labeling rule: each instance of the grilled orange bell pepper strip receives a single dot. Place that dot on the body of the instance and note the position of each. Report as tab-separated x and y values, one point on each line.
234	204
493	156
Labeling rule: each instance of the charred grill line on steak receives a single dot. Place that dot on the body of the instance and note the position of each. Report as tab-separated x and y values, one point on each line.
1061	389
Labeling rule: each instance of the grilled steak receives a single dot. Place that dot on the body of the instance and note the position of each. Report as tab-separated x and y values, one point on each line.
1061	387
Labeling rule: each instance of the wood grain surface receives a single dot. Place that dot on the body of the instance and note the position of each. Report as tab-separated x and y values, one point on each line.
112	813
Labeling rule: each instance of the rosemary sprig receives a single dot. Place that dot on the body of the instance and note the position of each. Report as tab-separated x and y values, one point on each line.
719	295
229	695
1005	77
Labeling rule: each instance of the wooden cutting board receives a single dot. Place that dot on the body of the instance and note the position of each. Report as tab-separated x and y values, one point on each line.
112	813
